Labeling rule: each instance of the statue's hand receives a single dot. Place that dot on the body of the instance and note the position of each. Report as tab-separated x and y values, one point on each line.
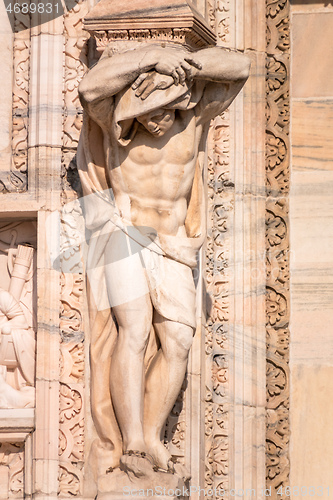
178	63
147	83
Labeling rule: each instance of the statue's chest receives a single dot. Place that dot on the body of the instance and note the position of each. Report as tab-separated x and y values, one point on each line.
146	150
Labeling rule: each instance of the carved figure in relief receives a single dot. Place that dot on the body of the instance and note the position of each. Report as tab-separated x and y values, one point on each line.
17	337
140	159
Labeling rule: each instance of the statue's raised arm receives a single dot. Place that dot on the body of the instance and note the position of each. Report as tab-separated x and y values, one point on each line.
114	73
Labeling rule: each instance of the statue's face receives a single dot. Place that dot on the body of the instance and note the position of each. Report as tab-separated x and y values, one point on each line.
158	122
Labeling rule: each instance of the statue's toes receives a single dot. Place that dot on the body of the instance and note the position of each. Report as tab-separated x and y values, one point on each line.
137	465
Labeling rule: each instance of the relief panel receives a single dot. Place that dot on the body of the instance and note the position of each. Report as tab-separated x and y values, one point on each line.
17	314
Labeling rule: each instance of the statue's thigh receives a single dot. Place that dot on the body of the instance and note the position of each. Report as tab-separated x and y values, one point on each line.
124	272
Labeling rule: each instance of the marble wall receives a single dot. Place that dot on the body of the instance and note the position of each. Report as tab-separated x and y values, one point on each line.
311	230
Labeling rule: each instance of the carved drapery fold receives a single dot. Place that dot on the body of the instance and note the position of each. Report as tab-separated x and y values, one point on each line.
277	244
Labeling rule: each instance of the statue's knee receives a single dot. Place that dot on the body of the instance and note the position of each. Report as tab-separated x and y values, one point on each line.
135	339
184	340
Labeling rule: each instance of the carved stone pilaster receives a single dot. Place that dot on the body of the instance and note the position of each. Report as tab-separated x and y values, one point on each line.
277	244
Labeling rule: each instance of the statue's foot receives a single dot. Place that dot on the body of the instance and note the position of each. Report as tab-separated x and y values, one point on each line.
164	461
136	462
161	456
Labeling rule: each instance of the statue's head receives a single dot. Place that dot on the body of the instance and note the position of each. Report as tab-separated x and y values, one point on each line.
158	122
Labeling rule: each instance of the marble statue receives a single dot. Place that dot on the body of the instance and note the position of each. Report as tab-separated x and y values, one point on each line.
140	160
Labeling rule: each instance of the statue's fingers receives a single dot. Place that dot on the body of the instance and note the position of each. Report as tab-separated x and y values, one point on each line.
142	87
193	62
149	89
175	76
188	69
141	78
182	75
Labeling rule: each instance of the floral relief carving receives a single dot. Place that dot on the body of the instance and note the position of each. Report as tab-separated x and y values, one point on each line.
71	419
220	208
277	244
16	179
70	479
75	67
12	468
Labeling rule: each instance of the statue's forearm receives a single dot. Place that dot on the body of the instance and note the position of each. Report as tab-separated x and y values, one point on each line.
114	73
221	65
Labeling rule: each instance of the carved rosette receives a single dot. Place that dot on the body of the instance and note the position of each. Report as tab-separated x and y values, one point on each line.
277	244
220	207
16	179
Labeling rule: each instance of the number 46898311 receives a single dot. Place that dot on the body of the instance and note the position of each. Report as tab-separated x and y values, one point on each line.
32	8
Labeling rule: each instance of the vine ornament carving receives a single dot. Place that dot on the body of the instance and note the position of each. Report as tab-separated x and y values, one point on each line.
277	244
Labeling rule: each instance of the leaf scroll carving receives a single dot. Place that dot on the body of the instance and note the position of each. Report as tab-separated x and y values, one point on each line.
277	244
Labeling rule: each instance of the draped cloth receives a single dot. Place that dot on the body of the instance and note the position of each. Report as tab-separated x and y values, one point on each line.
166	260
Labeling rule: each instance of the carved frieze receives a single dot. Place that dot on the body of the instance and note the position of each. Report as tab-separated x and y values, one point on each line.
184	36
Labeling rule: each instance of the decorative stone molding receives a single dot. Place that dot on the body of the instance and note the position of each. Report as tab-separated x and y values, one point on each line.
183	36
16	179
277	244
177	21
12	470
220	206
71	418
